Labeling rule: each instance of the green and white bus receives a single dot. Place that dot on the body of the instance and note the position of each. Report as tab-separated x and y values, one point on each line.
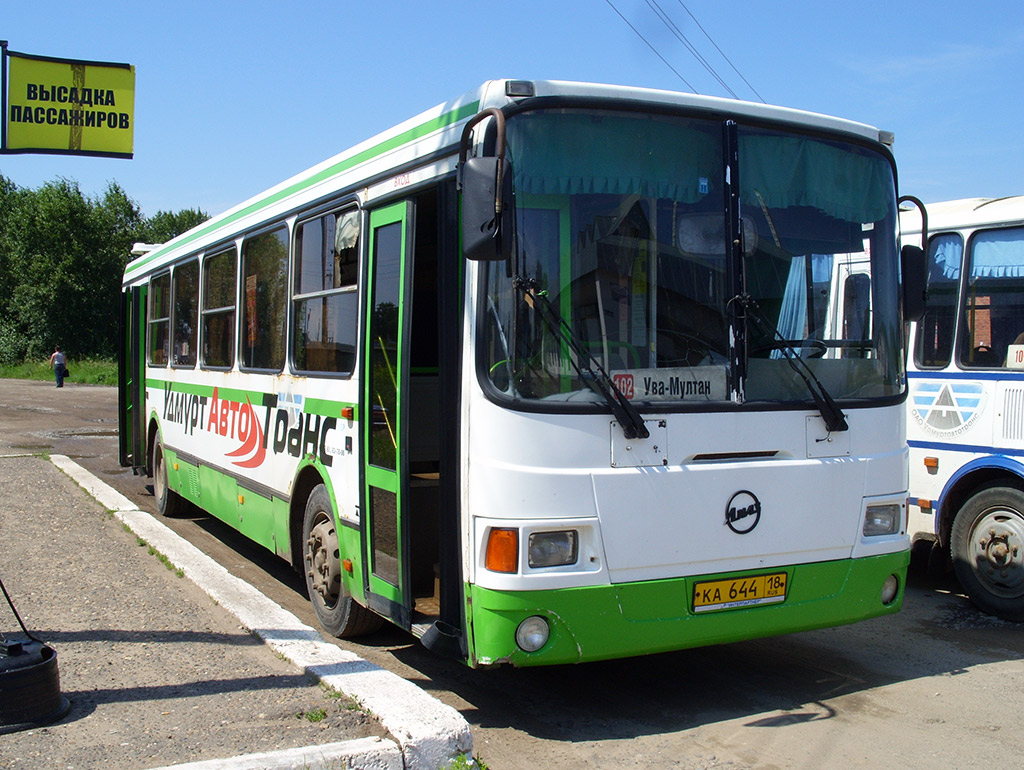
550	373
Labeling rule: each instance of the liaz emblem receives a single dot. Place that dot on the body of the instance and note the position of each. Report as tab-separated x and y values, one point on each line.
743	512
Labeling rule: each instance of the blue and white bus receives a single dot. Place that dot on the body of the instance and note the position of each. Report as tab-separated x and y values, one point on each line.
965	425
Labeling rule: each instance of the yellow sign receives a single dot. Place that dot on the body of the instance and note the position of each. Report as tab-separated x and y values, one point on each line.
69	107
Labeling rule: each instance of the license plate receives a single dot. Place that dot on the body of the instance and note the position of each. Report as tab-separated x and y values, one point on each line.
739	592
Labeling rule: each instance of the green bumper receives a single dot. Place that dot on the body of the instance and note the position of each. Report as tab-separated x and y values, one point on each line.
615	621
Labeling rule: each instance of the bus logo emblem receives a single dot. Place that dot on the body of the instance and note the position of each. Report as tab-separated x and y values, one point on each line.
947	407
743	512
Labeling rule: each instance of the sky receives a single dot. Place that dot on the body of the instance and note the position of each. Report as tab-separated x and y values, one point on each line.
234	97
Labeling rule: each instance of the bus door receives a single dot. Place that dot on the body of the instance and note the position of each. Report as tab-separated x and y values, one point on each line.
131	385
383	414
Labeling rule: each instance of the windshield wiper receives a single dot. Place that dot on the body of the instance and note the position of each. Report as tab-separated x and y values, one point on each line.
833	416
587	367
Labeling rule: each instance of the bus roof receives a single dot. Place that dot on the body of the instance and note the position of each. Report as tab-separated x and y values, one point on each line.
437	130
964	213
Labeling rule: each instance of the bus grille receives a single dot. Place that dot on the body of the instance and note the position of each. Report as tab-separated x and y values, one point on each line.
1013	414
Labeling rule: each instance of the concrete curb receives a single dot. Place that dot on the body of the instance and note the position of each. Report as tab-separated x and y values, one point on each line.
429	733
362	753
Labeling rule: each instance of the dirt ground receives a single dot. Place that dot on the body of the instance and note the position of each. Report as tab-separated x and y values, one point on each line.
938	685
155	672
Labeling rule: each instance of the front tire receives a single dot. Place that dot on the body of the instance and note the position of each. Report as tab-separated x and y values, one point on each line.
337	612
168	502
987	544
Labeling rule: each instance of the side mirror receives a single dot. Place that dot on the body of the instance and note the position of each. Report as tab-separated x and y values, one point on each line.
914	269
487	208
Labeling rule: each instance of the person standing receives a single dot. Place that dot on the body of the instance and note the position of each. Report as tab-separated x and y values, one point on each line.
58	362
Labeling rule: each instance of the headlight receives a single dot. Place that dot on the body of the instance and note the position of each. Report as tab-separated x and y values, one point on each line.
890	588
883	519
532	633
553	549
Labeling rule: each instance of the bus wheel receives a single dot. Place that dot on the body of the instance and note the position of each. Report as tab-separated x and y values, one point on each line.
988	550
168	502
337	612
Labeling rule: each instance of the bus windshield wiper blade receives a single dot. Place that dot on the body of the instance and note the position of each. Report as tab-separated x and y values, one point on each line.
835	420
587	367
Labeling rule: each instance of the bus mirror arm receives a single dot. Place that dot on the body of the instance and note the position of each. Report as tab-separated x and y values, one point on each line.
486	195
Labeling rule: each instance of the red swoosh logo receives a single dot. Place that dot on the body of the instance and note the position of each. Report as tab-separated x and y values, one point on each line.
253	441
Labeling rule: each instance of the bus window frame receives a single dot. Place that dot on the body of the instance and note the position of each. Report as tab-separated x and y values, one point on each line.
954	344
335	208
964	327
152	320
240	319
192	259
205	312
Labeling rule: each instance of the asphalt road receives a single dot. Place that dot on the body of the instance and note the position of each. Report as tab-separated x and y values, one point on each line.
939	684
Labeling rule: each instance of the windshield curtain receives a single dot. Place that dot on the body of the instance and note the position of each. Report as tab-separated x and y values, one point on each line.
621	231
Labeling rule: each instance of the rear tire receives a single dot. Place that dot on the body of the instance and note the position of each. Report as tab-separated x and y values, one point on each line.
337	612
168	502
988	550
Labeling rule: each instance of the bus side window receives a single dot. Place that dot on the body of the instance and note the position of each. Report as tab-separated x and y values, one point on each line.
994	297
326	304
159	319
186	299
934	346
264	289
219	273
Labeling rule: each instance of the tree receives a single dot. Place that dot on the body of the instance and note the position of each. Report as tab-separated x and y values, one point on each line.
164	225
62	255
69	252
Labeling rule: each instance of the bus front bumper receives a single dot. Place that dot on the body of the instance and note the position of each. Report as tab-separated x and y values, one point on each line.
615	621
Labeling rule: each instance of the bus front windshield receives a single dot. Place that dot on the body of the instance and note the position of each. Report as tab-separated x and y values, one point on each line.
622	233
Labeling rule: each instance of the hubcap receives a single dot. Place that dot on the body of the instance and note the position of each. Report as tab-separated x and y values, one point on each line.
998	551
322	564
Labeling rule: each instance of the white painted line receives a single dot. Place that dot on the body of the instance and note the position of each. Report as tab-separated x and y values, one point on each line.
430	733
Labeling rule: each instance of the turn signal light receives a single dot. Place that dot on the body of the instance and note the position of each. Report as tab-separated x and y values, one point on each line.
502	550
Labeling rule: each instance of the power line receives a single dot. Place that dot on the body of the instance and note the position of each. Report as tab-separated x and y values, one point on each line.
720	51
674	29
651	47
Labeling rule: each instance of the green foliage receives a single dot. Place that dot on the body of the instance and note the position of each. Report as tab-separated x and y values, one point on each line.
466	762
85	371
62	255
164	225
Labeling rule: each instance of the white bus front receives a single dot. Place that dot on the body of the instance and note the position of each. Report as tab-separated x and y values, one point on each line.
682	427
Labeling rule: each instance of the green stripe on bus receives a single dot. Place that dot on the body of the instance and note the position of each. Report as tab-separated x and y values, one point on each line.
416	132
327	408
320	406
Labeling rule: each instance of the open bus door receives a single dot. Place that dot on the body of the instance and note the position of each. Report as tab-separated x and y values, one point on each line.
131	379
384	415
408	418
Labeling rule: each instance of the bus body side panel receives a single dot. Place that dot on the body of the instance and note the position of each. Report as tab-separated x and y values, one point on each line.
236	451
963	431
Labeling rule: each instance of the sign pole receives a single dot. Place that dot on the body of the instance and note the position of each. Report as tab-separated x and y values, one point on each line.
3	94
